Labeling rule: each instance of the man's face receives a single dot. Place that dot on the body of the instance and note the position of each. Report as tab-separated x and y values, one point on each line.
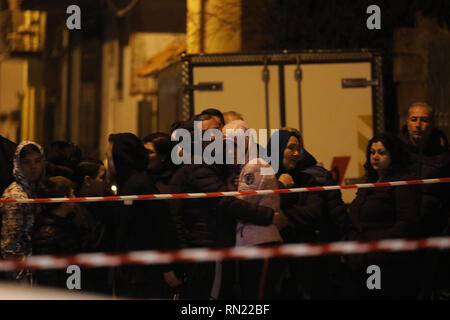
420	124
219	122
212	123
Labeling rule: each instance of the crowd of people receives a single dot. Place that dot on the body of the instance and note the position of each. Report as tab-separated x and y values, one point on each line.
136	166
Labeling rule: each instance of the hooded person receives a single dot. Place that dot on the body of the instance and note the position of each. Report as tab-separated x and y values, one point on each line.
143	225
126	155
304	212
252	177
19	218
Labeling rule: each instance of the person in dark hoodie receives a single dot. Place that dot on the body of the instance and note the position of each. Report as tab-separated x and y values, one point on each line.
210	222
144	225
19	218
431	159
160	168
303	210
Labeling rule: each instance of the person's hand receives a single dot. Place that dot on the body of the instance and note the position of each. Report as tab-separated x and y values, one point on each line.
286	180
279	220
171	279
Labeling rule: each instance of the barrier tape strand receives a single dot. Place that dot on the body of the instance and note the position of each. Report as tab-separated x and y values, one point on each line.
129	199
206	254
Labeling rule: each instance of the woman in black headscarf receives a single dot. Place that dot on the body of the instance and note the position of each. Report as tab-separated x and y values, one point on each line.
303	210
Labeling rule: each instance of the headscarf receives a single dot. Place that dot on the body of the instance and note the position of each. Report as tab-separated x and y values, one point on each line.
283	137
26	185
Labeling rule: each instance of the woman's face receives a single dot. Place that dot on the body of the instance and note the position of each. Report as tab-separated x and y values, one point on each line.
98	185
291	154
32	166
380	158
155	160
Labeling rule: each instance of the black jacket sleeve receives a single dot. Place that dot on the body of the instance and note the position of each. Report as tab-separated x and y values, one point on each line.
206	180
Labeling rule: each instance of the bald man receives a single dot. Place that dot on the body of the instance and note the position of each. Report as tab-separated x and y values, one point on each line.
424	141
430	159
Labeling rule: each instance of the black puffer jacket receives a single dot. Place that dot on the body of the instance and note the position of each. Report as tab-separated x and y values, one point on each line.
63	235
433	161
304	211
210	222
335	211
385	213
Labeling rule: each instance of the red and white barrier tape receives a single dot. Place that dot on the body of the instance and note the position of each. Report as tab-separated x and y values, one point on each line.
226	194
202	255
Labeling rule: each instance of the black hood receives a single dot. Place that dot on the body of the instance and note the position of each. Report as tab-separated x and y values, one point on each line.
433	145
306	160
129	156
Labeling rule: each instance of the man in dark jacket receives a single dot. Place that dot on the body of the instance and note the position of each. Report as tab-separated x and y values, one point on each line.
431	159
210	222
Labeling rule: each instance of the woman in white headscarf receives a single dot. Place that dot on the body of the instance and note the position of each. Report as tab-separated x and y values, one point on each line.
18	219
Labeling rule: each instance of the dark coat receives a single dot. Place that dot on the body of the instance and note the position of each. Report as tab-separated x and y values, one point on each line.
210	222
140	226
63	235
7	149
304	211
433	161
144	225
335	210
384	213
